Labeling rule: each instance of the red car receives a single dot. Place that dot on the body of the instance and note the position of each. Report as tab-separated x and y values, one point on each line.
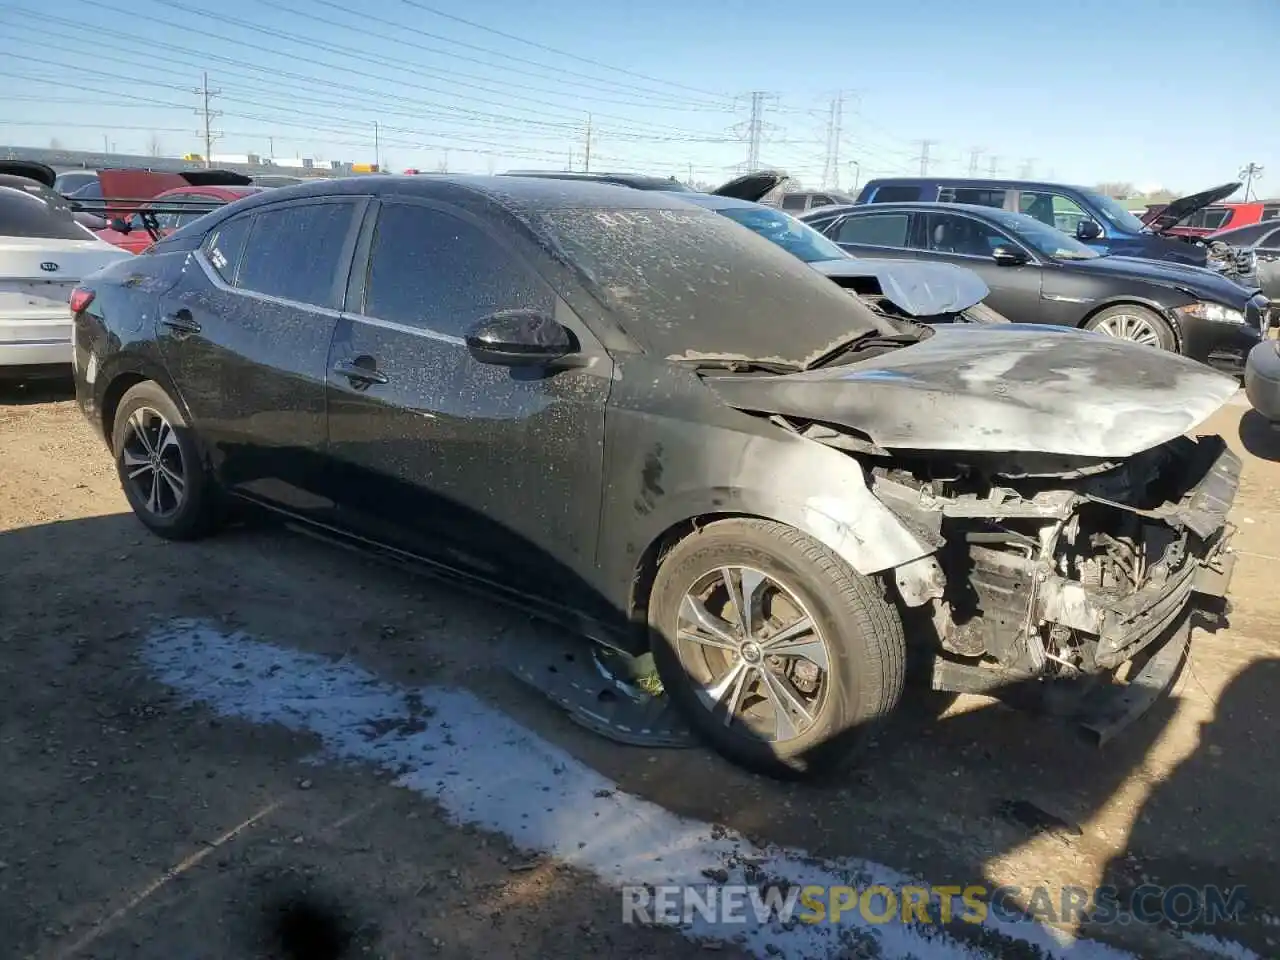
1218	216
141	206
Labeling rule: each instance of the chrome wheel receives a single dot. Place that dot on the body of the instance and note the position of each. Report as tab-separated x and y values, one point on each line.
753	652
152	463
1127	326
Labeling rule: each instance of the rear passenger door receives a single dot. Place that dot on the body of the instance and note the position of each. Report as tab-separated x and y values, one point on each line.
490	469
246	335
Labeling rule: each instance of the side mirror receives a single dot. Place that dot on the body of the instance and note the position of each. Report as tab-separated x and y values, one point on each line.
1009	256
1088	230
520	338
119	225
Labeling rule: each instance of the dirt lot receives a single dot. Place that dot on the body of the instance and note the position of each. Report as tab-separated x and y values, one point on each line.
148	815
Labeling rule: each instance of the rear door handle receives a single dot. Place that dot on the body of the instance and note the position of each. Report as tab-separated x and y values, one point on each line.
181	322
358	373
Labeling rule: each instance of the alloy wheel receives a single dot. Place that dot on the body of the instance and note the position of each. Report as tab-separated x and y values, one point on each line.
1127	326
762	658
153	463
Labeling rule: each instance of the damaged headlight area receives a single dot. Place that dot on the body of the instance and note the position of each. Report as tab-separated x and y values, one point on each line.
1204	310
1066	568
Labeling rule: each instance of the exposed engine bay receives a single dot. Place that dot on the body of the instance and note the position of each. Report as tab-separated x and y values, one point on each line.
1238	263
1055	567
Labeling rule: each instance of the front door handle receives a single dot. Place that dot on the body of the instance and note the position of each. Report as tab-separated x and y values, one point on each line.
358	373
181	322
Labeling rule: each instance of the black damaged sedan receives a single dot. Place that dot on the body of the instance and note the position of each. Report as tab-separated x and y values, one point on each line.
630	415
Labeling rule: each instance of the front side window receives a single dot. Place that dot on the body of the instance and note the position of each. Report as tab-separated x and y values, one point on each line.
294	252
1053	210
786	231
431	270
952	233
877	230
224	245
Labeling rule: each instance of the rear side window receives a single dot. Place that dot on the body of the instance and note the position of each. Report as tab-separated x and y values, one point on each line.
1271	242
294	252
878	230
793	201
33	210
225	244
980	197
434	271
1271	213
899	194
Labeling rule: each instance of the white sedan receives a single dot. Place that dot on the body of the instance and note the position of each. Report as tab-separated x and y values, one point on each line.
44	252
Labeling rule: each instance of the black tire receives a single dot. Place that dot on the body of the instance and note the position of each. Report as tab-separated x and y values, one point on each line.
861	629
1166	339
197	512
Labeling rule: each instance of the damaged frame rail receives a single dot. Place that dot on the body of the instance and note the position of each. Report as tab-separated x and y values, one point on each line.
1147	626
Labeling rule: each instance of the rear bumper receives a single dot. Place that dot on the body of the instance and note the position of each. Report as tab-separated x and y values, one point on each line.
1262	379
35	340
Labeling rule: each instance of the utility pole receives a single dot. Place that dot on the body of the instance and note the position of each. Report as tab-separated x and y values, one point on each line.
1250	172
104	144
377	147
924	156
271	146
209	136
586	150
974	154
690	180
831	169
993	165
1028	167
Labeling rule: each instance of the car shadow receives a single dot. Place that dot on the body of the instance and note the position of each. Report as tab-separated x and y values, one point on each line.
1259	436
45	389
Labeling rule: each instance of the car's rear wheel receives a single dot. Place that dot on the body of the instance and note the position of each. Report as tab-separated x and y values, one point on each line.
1135	324
780	655
160	467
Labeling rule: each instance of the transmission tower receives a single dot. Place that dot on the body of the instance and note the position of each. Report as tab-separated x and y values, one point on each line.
993	164
203	110
974	154
924	155
831	168
1249	172
1028	167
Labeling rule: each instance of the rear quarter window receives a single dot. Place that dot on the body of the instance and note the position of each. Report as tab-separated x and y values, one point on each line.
876	230
897	194
32	210
294	252
225	244
982	197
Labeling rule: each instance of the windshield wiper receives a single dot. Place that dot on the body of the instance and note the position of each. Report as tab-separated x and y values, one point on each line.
742	366
872	340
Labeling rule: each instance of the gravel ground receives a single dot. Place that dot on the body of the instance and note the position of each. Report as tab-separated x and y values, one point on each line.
145	816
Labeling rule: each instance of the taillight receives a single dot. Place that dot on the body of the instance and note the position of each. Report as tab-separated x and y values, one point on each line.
81	297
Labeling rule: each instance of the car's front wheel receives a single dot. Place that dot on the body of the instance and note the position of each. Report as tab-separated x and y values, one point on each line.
160	466
1135	324
781	656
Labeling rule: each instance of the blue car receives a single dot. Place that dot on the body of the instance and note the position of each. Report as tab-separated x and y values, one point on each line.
1089	216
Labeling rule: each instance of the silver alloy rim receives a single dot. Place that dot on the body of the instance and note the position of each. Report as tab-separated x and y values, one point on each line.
1127	326
153	464
762	659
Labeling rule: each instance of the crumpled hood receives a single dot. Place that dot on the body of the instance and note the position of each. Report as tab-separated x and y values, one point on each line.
1013	387
921	289
1202	282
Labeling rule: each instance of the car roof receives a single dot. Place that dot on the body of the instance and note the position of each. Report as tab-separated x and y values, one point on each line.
712	201
513	193
976	182
976	209
638	181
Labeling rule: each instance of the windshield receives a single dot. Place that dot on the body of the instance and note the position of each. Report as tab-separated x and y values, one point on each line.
30	209
687	283
797	238
1113	213
1041	237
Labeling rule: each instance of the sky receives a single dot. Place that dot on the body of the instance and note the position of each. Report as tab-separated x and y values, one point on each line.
1148	92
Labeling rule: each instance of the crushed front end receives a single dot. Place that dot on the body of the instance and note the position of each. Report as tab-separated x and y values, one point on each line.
1071	570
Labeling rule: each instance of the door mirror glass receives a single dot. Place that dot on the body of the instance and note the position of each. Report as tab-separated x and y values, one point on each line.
1008	256
120	225
520	338
1088	230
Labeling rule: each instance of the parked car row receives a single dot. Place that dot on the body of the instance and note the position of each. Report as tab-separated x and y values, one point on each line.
653	417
